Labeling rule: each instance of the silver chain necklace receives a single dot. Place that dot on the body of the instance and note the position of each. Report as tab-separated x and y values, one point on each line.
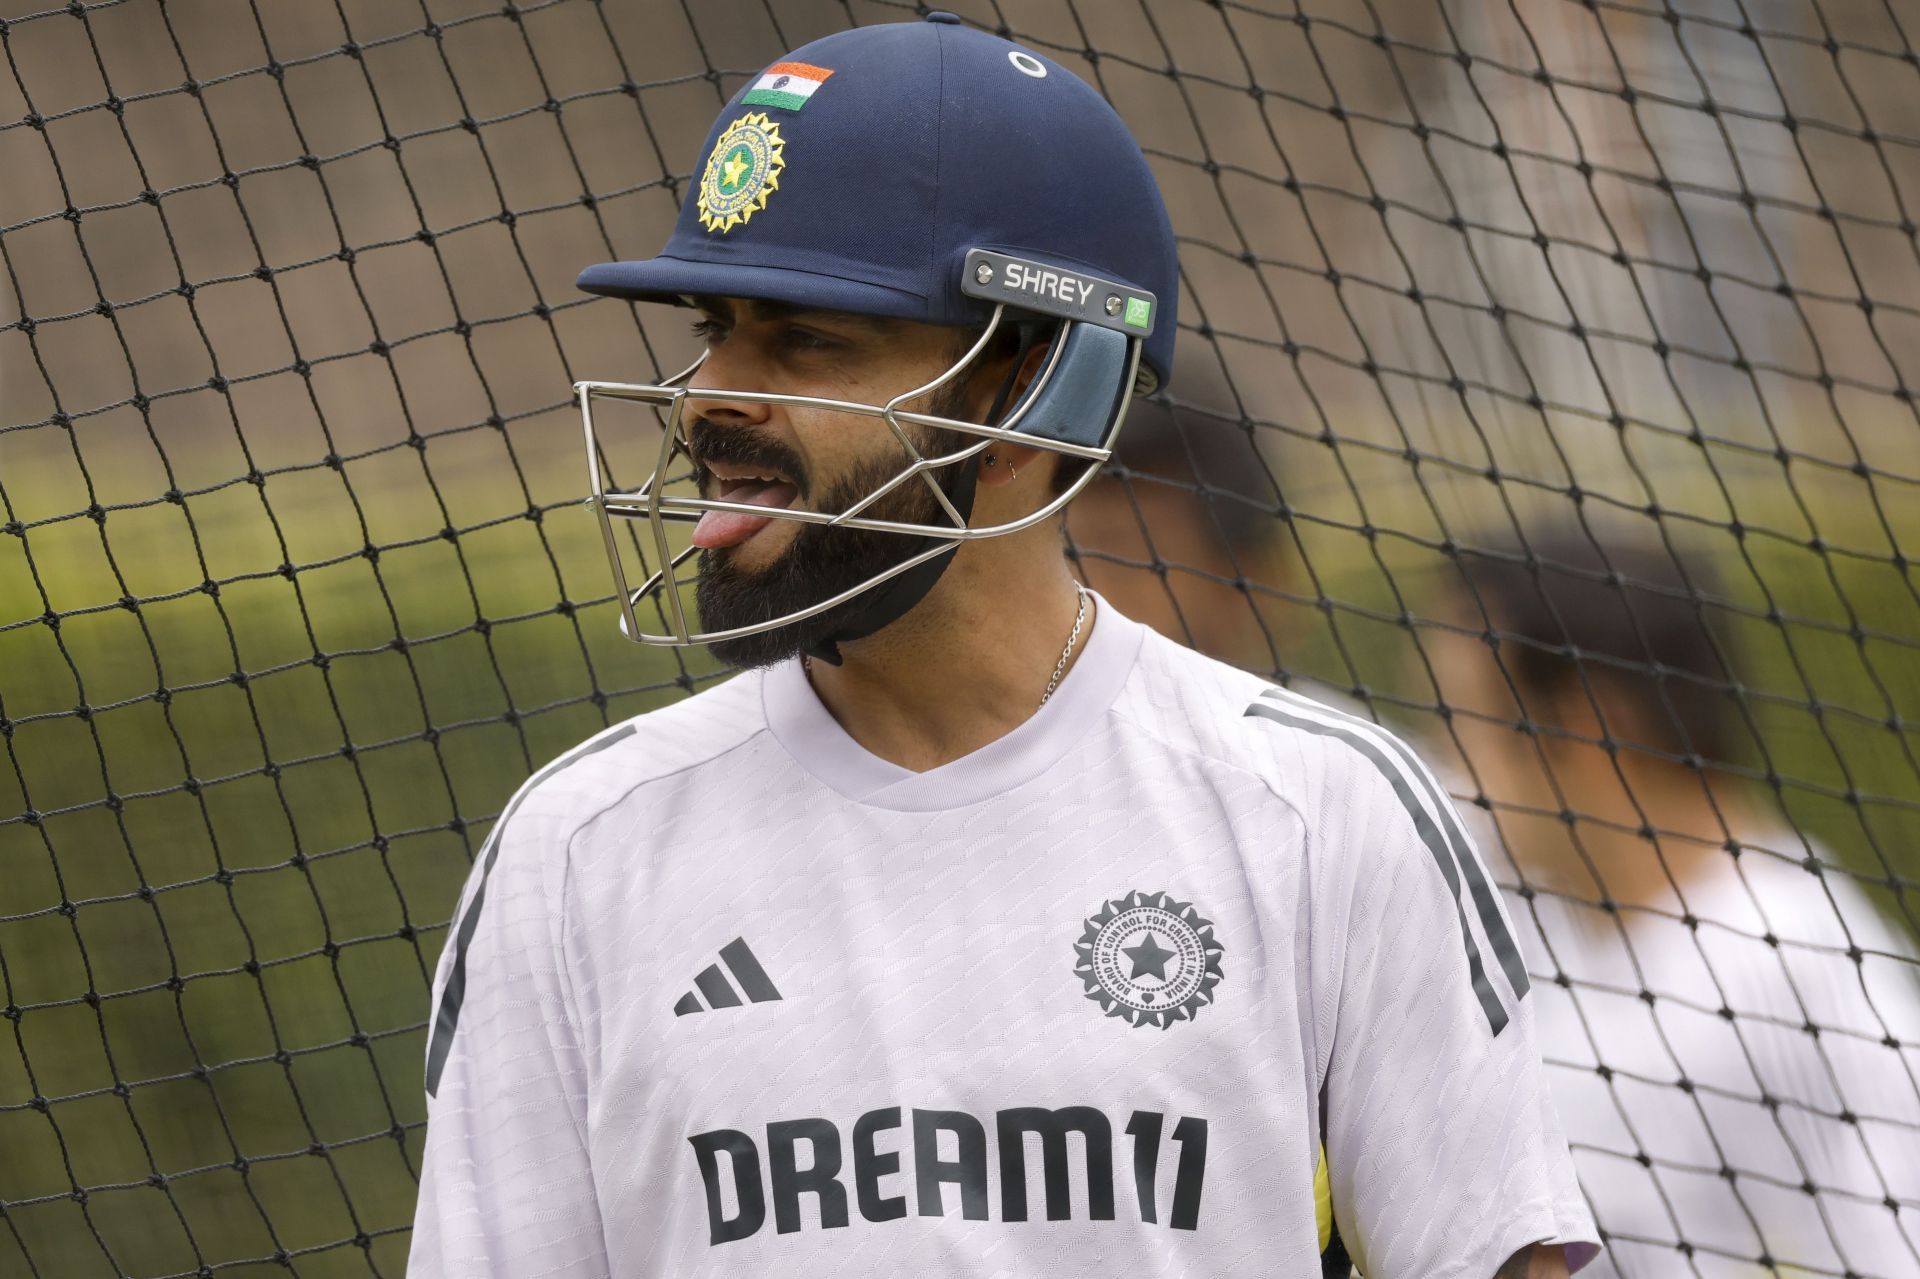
1059	667
1066	654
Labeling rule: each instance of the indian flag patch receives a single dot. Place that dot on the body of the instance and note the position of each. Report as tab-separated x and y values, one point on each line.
786	84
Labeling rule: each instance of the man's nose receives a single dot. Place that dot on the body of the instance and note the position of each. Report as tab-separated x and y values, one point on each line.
719	371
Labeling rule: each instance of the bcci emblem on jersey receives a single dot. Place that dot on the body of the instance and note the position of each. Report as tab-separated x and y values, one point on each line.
1148	959
743	170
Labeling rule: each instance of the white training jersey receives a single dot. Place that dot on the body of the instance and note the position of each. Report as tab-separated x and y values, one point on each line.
1678	1081
728	995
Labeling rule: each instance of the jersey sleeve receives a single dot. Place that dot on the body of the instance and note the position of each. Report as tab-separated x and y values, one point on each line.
507	1190
1445	1153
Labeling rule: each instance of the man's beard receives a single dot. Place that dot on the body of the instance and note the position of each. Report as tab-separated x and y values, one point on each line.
822	561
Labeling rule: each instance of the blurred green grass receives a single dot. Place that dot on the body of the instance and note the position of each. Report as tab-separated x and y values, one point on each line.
218	924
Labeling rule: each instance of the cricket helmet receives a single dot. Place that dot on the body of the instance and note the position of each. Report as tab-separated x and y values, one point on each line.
924	171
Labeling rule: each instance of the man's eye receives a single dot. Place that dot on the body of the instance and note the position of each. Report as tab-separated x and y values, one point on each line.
709	330
806	340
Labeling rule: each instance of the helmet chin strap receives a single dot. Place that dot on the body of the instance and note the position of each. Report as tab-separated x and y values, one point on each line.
884	606
895	598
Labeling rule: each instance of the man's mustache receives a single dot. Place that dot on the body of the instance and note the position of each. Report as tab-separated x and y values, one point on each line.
742	446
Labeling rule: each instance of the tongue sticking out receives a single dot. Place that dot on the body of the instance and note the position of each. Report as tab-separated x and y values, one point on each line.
730	528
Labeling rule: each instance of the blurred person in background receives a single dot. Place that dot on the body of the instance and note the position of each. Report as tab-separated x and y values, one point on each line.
1183	516
1649	882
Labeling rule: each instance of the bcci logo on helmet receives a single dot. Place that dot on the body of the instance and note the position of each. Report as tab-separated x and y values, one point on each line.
1149	959
743	170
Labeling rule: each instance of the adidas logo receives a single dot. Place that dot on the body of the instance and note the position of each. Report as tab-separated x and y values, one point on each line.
712	983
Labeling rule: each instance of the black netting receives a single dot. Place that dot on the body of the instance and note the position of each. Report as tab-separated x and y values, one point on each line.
1545	389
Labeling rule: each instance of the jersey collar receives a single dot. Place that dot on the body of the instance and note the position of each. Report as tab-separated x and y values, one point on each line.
817	743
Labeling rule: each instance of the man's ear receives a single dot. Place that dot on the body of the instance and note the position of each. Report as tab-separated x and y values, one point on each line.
1008	460
1036	359
1003	462
1008	384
